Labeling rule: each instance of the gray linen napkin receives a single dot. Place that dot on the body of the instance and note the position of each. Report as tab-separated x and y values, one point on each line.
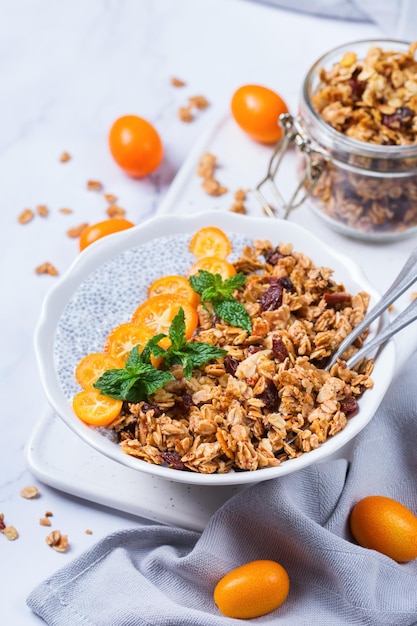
165	576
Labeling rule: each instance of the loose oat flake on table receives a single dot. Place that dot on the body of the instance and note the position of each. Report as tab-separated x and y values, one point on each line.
267	398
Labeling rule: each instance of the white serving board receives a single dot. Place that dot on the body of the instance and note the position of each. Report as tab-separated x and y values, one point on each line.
242	164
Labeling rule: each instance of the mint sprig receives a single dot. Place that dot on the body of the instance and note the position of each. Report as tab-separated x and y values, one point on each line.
212	288
139	378
189	354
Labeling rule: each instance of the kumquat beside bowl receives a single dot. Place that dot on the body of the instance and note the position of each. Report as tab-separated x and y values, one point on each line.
194	348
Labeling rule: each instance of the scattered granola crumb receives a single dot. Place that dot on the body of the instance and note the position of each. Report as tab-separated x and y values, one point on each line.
45	521
76	230
413	296
88	532
65	157
185	114
200	102
42	210
213	187
94	185
48	514
205	170
110	197
239	205
46	268
66	211
57	541
10	533
26	216
29	492
177	82
115	211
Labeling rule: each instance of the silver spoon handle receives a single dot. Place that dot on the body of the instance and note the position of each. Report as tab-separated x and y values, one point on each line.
402	320
406	277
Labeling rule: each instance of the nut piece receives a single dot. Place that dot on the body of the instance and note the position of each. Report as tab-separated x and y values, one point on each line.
26	216
94	185
57	541
42	210
111	198
177	82
77	230
46	268
45	521
29	492
115	211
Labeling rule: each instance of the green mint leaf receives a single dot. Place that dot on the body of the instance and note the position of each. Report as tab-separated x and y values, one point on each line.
234	282
152	348
177	331
193	354
133	384
211	294
234	313
201	281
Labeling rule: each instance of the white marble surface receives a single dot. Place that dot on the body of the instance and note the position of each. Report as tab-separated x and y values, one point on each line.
68	69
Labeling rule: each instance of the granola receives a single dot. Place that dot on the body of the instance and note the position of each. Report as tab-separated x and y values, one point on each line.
269	399
372	100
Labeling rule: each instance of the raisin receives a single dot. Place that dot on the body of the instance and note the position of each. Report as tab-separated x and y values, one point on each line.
400	120
270	396
173	460
253	349
349	405
185	402
357	86
279	351
152	407
273	256
230	364
271	298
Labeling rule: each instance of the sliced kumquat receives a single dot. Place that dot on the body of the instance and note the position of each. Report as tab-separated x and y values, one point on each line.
210	241
123	338
96	409
156	314
92	366
174	285
214	265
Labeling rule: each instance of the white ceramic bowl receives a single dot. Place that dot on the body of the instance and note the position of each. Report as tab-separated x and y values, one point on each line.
103	286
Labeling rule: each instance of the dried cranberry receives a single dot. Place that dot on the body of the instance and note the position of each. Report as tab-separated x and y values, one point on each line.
400	120
349	405
230	364
340	297
173	459
273	256
271	298
270	396
279	351
152	407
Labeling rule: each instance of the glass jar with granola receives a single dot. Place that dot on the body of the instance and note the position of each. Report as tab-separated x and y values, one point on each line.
358	115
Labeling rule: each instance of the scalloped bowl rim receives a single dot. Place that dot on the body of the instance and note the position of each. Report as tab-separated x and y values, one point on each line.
258	228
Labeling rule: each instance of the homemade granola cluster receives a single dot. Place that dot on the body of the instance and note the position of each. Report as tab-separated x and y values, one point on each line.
373	100
268	399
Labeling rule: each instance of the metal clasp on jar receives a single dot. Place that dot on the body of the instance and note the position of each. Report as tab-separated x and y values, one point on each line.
315	162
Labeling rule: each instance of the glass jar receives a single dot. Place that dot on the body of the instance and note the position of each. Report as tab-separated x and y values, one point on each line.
364	183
